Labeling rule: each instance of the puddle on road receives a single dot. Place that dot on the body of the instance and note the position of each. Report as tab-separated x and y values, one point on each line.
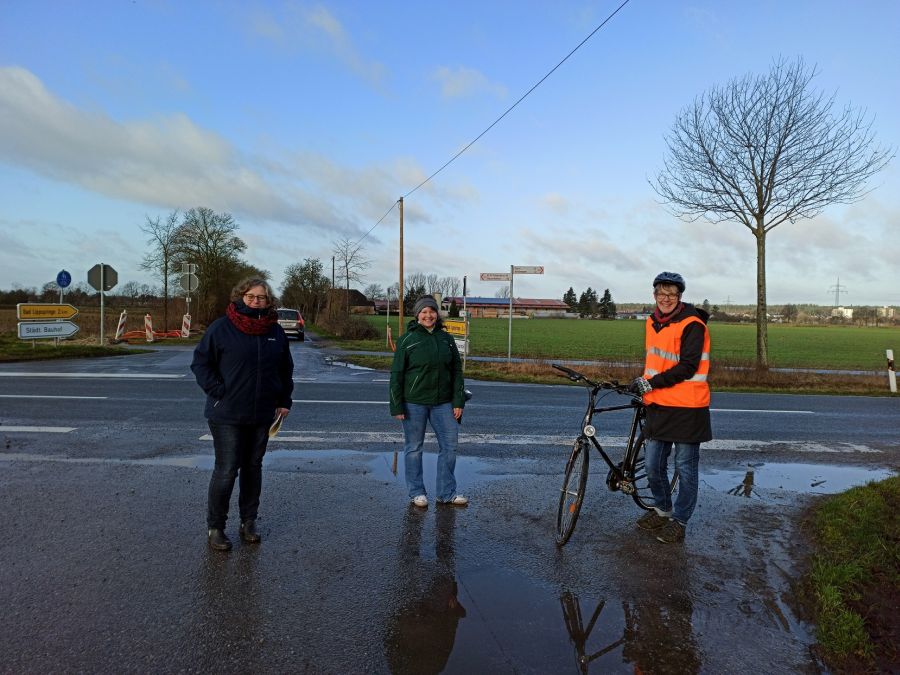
489	620
766	478
383	466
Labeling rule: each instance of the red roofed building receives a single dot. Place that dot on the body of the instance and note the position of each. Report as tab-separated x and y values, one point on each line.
493	308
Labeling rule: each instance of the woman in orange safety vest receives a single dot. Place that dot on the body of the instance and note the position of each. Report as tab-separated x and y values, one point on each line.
675	390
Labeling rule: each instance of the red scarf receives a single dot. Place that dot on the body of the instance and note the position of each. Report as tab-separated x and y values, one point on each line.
663	319
249	324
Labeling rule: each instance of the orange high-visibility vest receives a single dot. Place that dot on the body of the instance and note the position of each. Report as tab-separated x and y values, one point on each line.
664	352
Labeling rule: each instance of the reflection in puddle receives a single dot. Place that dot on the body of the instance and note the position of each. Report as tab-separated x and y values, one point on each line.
652	637
383	466
493	620
802	478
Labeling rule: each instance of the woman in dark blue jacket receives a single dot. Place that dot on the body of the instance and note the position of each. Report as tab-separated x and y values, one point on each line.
244	365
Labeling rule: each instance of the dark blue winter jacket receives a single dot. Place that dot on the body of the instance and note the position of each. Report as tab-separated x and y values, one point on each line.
245	377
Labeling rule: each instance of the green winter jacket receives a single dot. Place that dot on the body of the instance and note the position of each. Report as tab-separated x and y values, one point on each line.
426	369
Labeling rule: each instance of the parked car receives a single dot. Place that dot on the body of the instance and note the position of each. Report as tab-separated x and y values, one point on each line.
292	322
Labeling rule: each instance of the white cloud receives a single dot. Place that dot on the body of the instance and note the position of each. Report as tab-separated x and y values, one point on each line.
316	29
170	162
465	82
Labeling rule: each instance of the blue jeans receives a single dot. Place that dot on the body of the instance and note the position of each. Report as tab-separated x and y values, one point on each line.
239	450
446	429
687	461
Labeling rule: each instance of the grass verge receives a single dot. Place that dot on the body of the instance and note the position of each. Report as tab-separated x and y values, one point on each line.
13	349
722	378
852	586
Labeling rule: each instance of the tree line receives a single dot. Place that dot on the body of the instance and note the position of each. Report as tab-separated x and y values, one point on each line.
589	306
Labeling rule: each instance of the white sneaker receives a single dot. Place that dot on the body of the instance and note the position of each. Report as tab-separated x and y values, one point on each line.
457	500
420	500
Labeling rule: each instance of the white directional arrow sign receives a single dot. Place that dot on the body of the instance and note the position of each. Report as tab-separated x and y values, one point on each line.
495	276
33	330
528	269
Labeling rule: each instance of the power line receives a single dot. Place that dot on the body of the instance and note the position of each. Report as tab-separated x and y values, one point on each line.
521	98
377	224
506	112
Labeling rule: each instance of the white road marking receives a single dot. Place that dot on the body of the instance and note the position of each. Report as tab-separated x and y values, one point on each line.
38	430
759	410
305	379
615	442
380	380
122	376
37	396
306	400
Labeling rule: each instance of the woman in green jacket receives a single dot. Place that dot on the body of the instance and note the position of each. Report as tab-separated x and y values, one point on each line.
427	386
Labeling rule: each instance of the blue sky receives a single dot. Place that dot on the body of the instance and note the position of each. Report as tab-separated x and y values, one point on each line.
307	121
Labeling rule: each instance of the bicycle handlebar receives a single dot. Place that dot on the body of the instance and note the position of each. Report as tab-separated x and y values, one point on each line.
612	385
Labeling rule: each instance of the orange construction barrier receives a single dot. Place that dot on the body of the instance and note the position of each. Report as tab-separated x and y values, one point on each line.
148	333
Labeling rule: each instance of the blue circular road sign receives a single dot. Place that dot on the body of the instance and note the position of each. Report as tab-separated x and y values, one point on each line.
63	279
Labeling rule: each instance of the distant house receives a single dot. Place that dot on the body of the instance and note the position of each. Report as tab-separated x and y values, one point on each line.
492	308
357	302
639	316
381	306
842	313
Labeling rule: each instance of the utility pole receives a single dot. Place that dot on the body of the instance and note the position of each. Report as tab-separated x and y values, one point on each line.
400	290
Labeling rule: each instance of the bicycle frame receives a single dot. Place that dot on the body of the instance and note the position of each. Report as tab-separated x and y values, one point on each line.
620	477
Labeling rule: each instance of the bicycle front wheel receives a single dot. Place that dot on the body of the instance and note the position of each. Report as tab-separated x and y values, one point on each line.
642	495
573	489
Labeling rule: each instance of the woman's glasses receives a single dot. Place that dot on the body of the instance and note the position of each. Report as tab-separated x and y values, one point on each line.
249	297
666	296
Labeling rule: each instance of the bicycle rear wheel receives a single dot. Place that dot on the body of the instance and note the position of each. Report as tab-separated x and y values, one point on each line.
642	495
573	489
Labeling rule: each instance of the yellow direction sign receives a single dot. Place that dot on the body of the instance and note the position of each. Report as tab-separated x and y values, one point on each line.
36	310
455	327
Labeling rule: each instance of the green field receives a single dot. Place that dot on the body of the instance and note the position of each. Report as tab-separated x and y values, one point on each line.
828	347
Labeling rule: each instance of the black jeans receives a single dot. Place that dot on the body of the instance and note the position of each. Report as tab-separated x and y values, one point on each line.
239	450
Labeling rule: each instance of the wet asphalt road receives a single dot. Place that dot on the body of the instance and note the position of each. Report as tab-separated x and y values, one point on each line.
103	564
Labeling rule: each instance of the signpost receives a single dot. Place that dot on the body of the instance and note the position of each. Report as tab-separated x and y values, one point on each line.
102	278
528	269
35	323
459	329
33	330
190	282
503	276
63	279
36	310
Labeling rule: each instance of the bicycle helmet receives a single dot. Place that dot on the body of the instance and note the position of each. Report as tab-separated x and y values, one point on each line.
670	278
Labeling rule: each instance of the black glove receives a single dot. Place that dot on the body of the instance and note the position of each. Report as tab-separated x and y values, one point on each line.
639	386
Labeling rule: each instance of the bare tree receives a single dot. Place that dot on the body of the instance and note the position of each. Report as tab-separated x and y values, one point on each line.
160	259
415	280
374	292
131	291
763	150
432	284
208	239
351	263
452	286
502	292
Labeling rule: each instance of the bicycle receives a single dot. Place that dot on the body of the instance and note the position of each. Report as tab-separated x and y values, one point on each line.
628	476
